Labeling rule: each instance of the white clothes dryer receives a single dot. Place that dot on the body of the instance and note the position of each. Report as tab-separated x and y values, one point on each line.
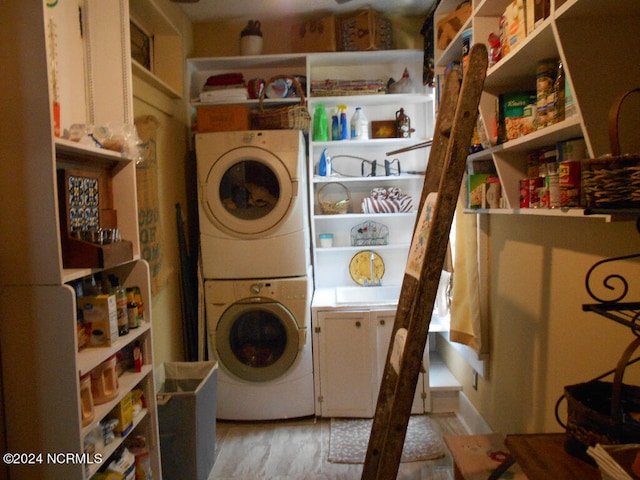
258	333
253	204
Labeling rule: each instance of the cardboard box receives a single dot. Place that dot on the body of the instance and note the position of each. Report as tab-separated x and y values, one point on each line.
484	190
515	22
365	30
314	36
477	190
223	118
516	114
100	316
123	412
449	26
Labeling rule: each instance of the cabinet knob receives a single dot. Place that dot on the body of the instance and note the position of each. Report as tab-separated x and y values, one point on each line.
381	322
358	324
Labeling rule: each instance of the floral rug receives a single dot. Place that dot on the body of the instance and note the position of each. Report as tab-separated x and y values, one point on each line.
349	438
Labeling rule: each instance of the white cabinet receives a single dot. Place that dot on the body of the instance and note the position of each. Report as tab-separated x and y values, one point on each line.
346	368
350	351
592	40
41	362
352	160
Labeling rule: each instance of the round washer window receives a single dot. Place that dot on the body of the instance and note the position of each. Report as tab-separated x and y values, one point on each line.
249	190
257	342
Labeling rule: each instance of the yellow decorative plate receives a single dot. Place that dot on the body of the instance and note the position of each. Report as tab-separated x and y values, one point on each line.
360	267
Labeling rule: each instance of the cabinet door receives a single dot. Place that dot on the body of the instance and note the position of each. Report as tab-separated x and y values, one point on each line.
347	374
382	321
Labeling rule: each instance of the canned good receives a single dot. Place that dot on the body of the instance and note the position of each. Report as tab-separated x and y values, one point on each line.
569	181
536	189
545	77
573	150
553	190
524	193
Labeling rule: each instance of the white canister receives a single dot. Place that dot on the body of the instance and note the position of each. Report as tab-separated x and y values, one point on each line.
86	400
326	240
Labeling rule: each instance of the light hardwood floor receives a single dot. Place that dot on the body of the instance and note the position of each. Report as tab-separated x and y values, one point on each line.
298	450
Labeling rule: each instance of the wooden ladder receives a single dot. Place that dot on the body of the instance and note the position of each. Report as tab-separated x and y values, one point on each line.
445	169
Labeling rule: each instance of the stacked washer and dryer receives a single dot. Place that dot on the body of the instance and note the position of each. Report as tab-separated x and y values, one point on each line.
254	236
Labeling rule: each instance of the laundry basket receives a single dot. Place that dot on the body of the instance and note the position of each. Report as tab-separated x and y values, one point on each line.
187	419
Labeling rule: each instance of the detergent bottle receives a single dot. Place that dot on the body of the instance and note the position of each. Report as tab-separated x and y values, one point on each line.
359	125
335	125
320	125
344	125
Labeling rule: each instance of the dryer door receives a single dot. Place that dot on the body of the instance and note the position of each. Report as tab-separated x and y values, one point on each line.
257	342
248	192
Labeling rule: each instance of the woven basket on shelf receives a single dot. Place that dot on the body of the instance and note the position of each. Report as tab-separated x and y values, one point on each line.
613	181
598	412
290	117
334	207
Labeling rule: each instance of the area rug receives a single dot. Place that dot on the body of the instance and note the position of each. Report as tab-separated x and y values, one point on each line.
349	439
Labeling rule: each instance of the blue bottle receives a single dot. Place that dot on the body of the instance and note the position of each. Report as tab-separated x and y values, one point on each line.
344	124
335	126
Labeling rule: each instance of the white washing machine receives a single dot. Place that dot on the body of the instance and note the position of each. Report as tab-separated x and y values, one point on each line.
258	333
253	204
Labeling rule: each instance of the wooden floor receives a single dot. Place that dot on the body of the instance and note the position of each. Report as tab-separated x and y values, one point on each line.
298	449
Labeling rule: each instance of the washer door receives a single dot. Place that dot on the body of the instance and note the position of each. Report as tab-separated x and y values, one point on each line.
257	342
248	192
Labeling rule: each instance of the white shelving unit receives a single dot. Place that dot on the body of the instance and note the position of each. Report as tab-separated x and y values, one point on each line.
331	265
41	360
597	70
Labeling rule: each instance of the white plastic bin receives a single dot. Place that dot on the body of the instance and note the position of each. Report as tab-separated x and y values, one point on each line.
187	419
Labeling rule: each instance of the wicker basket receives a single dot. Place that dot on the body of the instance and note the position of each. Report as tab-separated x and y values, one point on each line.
597	411
332	206
613	181
291	117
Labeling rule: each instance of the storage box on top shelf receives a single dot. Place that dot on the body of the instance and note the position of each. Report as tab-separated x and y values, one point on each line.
318	35
222	118
449	26
364	30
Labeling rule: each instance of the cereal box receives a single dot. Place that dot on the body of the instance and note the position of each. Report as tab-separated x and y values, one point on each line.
515	22
100	319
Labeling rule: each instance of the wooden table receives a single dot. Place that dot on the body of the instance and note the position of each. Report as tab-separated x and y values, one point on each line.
542	457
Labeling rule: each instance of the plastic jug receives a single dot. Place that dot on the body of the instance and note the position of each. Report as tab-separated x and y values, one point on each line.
359	125
86	400
320	124
104	381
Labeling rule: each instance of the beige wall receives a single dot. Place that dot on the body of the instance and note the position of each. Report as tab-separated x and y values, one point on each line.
217	39
541	340
171	153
